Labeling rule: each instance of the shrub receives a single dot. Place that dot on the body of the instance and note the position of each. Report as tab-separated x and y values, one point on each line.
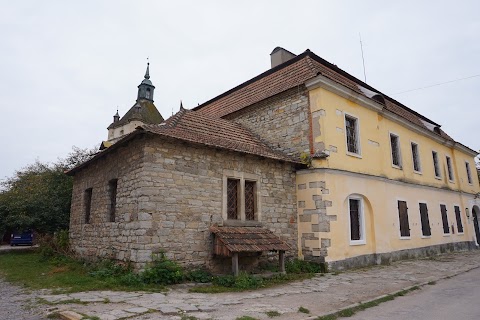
199	275
302	266
163	271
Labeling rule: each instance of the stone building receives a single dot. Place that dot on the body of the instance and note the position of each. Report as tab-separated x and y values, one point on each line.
303	159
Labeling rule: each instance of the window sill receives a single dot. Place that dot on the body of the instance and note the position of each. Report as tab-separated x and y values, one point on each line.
418	172
240	223
446	234
357	242
397	167
426	237
355	155
451	181
405	238
438	177
460	233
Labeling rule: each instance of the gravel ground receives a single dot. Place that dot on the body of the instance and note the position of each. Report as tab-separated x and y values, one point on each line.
16	303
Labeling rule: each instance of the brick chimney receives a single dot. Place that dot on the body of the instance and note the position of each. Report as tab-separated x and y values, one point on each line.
280	55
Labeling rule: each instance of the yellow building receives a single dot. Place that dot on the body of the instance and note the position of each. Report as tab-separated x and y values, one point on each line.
383	181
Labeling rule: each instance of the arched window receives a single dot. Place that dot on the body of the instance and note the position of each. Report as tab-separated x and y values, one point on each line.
147	94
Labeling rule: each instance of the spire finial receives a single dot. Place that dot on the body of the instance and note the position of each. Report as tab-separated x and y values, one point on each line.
181	105
147	73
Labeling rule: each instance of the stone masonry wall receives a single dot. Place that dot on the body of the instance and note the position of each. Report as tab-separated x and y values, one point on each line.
282	121
100	238
170	198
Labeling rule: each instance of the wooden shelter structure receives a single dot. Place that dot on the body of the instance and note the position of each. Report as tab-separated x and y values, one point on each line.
230	241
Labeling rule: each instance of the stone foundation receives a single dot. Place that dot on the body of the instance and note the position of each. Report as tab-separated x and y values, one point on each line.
387	258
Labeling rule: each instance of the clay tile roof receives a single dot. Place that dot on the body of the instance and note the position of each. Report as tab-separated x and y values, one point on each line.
191	126
296	72
246	239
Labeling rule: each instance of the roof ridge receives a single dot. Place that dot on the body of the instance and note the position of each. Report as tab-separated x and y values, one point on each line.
173	120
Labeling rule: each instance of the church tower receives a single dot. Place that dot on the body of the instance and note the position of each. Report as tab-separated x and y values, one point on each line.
142	112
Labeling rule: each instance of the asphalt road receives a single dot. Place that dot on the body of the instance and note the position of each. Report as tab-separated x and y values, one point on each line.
456	298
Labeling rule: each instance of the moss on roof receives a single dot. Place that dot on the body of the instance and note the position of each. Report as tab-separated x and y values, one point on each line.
143	110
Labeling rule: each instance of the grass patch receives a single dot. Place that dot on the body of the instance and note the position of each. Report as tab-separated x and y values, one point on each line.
363	306
273	313
246	282
63	275
246	318
431	283
303	310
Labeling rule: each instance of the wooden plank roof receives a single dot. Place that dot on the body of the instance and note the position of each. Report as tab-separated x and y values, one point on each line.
246	239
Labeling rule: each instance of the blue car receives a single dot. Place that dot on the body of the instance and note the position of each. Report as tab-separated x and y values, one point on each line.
22	238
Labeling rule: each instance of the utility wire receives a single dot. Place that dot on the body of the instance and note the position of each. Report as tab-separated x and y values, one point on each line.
438	84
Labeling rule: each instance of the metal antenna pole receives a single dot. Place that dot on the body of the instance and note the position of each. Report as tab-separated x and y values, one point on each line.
363	59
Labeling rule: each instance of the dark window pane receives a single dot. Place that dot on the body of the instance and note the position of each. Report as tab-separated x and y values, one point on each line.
435	164
459	219
426	231
395	150
403	218
416	159
449	169
88	204
355	219
443	210
232	199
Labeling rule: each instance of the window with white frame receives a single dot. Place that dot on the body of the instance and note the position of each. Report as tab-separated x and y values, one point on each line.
449	168
403	219
445	225
415	157
469	174
436	166
395	148
351	132
357	220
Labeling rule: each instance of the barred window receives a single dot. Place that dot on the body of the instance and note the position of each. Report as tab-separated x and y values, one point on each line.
232	199
449	168
355	232
395	146
415	157
351	131
249	200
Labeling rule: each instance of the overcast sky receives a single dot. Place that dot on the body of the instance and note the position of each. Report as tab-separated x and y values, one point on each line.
65	66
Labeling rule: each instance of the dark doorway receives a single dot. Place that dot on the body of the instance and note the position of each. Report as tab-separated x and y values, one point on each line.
476	214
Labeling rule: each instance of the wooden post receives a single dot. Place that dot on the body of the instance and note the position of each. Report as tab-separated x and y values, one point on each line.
281	260
235	264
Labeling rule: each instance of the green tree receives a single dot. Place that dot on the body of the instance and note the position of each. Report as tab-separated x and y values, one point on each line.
39	195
